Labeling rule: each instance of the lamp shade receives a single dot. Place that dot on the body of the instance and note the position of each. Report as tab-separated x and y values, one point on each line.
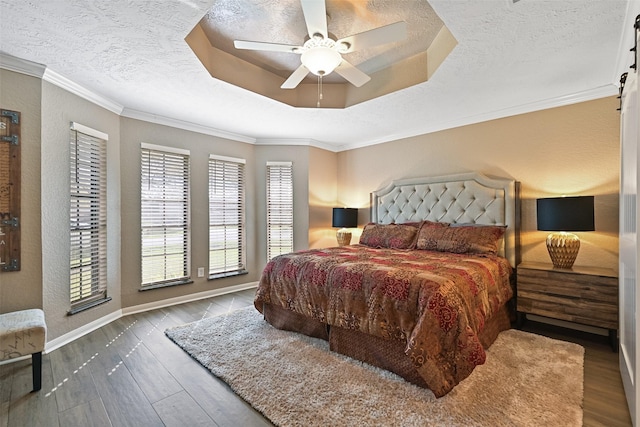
566	214
345	217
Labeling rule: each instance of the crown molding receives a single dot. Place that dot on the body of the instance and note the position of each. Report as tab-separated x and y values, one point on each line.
71	86
22	66
29	68
297	141
33	69
589	95
181	124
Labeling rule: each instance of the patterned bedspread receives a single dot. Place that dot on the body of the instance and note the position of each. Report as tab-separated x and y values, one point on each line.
435	301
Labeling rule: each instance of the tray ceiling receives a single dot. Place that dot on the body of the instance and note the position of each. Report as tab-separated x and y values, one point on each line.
392	67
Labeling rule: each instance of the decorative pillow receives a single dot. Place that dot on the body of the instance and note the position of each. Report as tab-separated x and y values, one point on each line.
394	236
425	223
469	239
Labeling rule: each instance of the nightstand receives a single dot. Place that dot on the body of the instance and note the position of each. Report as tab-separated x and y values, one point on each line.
585	295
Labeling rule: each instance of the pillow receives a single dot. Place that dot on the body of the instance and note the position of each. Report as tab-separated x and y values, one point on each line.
394	236
467	239
426	223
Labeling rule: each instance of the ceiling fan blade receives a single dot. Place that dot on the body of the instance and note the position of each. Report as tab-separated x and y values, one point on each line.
295	78
381	35
272	47
352	74
315	15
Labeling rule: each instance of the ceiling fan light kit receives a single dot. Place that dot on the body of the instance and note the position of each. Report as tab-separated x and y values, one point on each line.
320	56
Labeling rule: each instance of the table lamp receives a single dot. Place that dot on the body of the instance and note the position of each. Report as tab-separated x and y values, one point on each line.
344	218
562	215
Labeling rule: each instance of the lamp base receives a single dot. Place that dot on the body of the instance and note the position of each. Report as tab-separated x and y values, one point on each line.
344	237
563	249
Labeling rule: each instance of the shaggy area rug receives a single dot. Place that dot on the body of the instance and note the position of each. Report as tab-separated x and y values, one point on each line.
294	380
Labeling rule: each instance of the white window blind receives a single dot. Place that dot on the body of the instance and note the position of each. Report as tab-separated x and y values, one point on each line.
164	215
279	208
88	217
226	216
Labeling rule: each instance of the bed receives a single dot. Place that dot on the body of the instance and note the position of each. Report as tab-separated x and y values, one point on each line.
425	291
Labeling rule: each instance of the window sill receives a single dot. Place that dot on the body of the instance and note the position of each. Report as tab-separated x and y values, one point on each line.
227	274
165	285
87	306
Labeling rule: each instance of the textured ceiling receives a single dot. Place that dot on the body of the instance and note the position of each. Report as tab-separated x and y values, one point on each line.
509	58
282	21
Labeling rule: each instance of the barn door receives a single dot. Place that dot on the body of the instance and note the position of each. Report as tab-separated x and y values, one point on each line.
629	260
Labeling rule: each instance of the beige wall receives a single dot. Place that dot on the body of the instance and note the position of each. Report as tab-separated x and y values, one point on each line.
59	109
47	111
323	191
23	289
314	192
299	158
200	146
572	150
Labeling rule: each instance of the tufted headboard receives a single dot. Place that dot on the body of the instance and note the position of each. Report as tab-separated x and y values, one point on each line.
461	198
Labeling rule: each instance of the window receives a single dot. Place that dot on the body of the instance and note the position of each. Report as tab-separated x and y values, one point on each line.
88	217
164	216
279	208
226	217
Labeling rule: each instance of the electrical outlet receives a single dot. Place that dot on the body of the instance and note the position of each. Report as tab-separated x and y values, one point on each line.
200	271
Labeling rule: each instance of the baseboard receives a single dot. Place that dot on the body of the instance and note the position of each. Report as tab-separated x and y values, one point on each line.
187	298
81	331
98	323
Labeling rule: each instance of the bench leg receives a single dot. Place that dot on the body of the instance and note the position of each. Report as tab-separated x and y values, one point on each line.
36	370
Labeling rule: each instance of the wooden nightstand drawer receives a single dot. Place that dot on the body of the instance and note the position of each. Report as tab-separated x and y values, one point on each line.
582	295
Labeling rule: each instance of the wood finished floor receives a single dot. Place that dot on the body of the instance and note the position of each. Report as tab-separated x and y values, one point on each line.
128	373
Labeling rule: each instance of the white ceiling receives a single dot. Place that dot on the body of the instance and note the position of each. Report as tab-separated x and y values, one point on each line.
510	58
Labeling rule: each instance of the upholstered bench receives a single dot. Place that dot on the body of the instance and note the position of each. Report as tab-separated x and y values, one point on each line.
22	333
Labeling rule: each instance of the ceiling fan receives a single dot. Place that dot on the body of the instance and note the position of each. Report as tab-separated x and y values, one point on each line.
320	54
